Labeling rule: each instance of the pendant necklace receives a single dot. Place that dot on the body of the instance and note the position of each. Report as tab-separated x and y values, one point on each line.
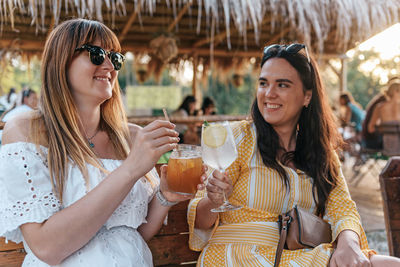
90	138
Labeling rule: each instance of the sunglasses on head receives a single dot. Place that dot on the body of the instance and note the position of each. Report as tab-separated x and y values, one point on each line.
274	49
98	54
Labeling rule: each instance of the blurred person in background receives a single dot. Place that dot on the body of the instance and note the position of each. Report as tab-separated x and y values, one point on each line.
388	110
353	114
208	106
187	131
372	140
8	100
26	101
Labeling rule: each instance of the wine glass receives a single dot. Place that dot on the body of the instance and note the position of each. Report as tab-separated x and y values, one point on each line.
219	152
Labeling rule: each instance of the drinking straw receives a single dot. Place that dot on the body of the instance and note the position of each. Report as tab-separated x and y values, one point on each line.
165	114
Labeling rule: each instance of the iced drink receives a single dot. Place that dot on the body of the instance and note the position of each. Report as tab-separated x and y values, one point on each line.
184	169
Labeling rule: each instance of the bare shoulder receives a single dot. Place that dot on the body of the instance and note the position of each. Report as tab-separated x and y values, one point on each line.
17	129
380	107
133	129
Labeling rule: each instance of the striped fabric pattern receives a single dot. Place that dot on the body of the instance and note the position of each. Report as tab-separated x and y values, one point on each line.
249	236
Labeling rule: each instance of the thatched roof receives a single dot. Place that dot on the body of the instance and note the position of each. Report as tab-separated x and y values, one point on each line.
239	27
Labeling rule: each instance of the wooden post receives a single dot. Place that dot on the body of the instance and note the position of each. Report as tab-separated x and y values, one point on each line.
343	75
390	188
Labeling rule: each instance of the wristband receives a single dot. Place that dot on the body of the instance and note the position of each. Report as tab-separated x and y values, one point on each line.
164	202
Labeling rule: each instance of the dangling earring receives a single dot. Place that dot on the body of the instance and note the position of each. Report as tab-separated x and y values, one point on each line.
297	130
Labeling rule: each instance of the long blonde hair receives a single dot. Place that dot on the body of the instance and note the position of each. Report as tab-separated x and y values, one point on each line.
58	118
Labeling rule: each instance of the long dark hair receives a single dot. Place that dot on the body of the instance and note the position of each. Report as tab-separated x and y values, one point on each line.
207	102
317	136
185	104
12	91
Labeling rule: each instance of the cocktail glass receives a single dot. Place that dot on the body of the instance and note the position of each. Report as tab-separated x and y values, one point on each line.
219	152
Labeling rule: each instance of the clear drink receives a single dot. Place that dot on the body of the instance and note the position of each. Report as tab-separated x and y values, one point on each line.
219	152
220	157
185	168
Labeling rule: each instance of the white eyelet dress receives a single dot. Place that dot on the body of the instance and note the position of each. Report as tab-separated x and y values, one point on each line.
26	196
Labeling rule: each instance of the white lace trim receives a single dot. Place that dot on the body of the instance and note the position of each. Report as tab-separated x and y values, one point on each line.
34	201
23	198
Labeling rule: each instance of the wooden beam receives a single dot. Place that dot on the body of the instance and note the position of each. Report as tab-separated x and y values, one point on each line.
333	69
218	52
38	45
189	119
275	38
208	39
180	15
129	23
23	44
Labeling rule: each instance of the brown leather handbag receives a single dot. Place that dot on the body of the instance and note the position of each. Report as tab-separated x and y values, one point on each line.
301	229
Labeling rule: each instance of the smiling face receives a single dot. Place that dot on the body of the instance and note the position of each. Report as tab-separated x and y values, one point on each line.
280	94
91	83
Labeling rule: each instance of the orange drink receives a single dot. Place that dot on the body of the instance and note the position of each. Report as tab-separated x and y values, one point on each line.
185	167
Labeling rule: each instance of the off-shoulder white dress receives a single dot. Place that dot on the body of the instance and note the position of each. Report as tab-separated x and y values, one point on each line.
26	196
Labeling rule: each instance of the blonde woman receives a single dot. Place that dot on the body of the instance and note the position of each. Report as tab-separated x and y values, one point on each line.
77	183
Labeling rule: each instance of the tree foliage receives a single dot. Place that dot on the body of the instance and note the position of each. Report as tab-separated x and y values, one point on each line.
367	74
230	98
19	75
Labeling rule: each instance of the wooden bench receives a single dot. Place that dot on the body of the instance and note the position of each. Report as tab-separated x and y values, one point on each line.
390	188
170	246
11	254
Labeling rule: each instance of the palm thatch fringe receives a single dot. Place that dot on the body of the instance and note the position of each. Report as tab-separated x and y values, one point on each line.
356	19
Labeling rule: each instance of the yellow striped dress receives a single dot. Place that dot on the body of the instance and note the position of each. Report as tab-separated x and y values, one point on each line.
249	236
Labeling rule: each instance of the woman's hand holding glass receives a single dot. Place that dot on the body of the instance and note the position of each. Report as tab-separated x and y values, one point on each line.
174	196
219	152
149	143
218	185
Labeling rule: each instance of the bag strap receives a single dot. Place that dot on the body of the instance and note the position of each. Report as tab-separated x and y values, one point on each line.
285	220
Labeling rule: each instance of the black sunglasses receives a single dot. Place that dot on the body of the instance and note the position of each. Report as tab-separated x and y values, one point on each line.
291	49
98	54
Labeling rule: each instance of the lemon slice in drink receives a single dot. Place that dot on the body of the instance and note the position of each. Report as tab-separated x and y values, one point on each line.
214	135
